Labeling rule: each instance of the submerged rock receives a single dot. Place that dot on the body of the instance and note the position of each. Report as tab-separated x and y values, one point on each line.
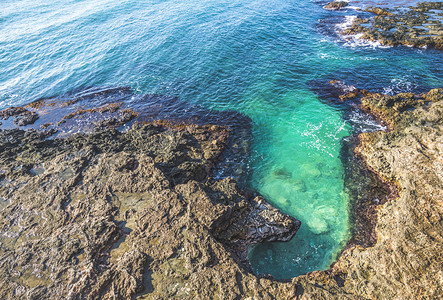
281	173
309	170
318	225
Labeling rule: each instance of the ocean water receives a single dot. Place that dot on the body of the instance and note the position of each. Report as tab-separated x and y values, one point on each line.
261	58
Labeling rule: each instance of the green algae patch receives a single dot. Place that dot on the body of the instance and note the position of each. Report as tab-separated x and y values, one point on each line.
31	280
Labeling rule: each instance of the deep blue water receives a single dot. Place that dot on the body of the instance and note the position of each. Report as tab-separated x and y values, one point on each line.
256	57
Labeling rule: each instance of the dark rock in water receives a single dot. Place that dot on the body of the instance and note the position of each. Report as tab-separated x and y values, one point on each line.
21	115
336	5
379	11
26	119
281	173
346	92
46	125
11	112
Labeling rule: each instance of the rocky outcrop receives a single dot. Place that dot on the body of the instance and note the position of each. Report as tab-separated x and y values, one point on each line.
21	115
407	256
418	26
336	5
136	214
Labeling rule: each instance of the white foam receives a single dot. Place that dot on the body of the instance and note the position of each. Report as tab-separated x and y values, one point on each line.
347	23
346	88
355	40
364	123
329	56
399	85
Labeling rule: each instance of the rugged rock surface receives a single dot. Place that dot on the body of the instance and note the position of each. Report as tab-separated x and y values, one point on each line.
418	26
406	260
98	108
336	5
135	214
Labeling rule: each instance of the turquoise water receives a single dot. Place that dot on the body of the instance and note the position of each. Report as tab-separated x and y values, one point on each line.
256	57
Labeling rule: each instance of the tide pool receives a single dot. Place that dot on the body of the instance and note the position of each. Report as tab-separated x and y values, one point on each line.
255	57
299	168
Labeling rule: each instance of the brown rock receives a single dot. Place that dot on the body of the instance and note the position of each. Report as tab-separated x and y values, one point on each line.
113	214
336	5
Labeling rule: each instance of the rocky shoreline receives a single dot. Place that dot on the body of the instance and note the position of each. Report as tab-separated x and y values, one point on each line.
414	26
111	213
404	258
137	213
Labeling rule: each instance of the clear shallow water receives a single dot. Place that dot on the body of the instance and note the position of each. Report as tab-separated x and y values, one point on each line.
256	57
